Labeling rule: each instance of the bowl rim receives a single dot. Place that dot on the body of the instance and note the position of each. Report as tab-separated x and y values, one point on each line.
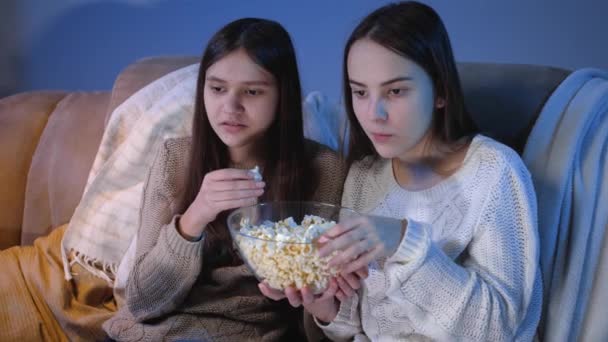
234	232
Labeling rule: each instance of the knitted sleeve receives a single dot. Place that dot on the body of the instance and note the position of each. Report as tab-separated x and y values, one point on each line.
332	171
347	323
166	264
485	295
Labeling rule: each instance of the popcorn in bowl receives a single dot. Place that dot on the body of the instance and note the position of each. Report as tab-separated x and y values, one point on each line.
280	250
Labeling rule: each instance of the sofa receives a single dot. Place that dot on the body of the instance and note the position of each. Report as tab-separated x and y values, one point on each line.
48	143
48	139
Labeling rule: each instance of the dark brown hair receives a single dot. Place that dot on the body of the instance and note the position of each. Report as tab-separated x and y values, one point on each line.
416	32
287	169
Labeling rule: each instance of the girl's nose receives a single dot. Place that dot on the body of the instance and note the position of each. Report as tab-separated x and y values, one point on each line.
233	104
380	112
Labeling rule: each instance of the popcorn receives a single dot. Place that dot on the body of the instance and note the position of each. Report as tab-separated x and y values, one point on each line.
255	172
284	253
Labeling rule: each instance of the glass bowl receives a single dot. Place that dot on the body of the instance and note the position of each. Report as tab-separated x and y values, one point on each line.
278	241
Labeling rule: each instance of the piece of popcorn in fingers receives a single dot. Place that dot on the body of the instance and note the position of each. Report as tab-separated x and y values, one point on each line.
255	173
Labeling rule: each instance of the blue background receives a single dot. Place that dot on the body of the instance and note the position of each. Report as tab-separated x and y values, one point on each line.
84	44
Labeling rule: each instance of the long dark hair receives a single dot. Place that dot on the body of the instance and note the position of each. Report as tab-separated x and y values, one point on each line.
268	44
414	31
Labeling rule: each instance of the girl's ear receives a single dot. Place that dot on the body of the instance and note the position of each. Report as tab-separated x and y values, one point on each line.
439	102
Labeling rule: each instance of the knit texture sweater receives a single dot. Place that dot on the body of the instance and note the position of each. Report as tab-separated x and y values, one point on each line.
168	297
467	268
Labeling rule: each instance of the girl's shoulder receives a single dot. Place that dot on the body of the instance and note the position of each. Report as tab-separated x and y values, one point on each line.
367	181
169	168
497	169
329	170
368	165
178	145
174	153
323	155
495	158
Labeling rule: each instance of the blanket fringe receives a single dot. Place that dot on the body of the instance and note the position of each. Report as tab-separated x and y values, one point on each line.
103	270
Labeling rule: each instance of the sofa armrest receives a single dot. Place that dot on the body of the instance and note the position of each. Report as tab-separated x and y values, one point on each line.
48	144
22	121
62	161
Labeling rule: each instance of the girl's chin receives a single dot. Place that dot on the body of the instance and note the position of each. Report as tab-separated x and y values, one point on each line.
230	141
386	152
236	142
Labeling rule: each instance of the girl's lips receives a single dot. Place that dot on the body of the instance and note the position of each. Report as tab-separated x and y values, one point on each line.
381	138
232	127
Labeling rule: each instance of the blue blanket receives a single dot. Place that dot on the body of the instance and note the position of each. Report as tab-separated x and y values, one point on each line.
566	154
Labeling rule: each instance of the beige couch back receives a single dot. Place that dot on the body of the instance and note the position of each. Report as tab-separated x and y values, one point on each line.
48	141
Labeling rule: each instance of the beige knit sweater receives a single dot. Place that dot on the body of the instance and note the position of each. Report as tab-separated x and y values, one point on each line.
167	296
467	268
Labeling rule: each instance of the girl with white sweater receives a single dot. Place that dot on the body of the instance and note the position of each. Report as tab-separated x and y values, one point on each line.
450	231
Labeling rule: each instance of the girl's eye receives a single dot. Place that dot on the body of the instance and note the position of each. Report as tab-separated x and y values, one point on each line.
359	93
396	91
253	92
216	89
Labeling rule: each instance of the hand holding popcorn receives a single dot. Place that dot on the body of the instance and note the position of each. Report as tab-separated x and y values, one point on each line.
221	190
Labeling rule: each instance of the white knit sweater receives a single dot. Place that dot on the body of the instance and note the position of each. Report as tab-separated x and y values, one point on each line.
467	268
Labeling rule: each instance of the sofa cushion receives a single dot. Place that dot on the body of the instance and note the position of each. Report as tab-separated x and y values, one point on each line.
22	120
505	99
61	163
141	73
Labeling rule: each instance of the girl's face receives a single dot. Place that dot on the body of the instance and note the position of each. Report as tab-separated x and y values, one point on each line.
393	99
240	99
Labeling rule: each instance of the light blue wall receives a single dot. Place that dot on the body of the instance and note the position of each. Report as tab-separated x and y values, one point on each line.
83	44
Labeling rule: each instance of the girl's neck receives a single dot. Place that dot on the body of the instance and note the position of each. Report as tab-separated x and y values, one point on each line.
246	157
429	163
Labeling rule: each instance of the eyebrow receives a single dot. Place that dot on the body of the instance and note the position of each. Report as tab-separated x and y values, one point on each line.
392	80
219	80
